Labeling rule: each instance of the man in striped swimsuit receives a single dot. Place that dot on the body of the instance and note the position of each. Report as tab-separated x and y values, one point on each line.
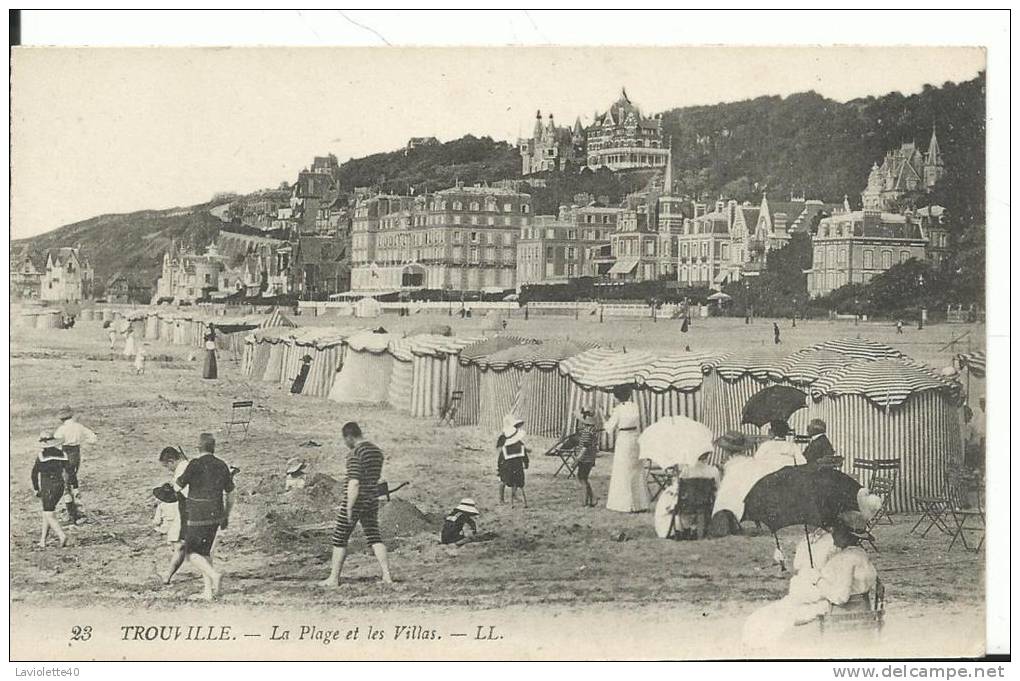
360	504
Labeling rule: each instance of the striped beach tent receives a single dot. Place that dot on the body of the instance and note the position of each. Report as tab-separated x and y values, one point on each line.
729	383
328	350
151	326
804	367
671	385
543	396
367	370
471	359
276	342
499	383
593	375
402	374
858	348
894	408
974	362
435	371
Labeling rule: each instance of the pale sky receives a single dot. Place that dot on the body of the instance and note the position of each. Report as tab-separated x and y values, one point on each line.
117	130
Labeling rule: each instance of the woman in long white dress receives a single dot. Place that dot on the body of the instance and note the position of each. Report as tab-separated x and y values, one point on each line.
628	491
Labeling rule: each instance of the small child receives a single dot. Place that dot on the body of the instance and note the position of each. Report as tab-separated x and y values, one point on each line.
587	443
48	473
140	360
453	527
512	460
295	474
167	521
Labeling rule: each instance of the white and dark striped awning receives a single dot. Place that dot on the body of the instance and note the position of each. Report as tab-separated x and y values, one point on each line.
974	362
369	341
804	367
885	382
681	371
477	352
605	369
761	366
436	346
858	348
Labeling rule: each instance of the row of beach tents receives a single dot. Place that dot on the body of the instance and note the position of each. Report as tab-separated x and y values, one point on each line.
877	402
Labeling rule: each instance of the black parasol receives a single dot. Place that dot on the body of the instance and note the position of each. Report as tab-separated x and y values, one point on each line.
801	495
775	403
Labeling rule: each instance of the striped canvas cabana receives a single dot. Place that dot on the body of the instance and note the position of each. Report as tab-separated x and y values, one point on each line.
472	360
593	375
543	395
328	350
894	408
671	385
973	363
858	348
275	344
401	375
367	370
499	383
729	383
434	371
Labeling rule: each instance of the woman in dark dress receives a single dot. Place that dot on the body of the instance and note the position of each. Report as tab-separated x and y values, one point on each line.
512	460
299	382
209	370
48	482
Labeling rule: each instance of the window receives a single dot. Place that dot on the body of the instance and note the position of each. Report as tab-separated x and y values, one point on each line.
549	252
458	253
474	205
842	256
725	251
650	247
904	256
571	233
456	237
589	219
571	253
886	259
508	221
869	258
525	208
605	219
704	249
456	219
550	233
490	253
474	219
683	252
474	254
491	220
457	205
474	237
508	239
208	279
507	207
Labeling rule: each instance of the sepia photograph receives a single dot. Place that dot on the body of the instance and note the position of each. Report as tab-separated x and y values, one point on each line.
593	352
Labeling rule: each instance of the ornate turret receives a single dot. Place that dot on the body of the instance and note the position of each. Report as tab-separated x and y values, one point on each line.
934	168
537	132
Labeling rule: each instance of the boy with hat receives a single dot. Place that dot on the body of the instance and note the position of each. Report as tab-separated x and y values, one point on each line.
512	459
453	527
48	482
168	521
587	443
74	435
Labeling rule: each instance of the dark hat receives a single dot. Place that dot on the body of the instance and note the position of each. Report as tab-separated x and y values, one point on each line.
779	428
165	493
306	359
734	441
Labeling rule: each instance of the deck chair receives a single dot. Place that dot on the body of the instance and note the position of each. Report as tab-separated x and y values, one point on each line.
449	412
239	416
884	473
566	449
858	620
937	510
969	520
656	478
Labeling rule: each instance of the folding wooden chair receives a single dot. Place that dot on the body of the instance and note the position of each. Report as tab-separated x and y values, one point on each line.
566	449
452	406
239	417
938	509
656	478
872	620
969	519
884	473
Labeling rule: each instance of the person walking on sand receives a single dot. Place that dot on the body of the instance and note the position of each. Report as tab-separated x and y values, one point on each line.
140	360
587	443
899	326
73	435
775	333
174	460
512	459
210	498
628	492
48	482
113	340
209	368
129	343
359	505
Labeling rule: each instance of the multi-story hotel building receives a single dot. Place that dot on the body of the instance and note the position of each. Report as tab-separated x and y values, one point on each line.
556	248
622	138
460	239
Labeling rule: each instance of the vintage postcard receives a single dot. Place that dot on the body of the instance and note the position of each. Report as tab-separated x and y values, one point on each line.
592	353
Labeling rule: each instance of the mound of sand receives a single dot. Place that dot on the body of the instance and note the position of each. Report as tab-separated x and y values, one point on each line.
401	518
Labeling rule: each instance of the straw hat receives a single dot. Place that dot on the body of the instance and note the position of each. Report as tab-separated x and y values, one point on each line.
511	423
295	466
734	441
467	506
855	523
65	413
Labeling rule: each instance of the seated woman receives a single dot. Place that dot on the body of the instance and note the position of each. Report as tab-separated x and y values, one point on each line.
740	472
778	452
695	501
844	581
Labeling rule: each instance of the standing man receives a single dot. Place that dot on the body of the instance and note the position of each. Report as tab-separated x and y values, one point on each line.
899	326
775	333
209	502
819	449
74	435
360	504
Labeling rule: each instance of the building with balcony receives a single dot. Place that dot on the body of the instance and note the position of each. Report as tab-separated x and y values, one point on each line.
623	138
458	239
555	249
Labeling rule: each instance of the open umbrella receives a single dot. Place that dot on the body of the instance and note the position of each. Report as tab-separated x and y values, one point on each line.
773	403
800	495
720	296
675	441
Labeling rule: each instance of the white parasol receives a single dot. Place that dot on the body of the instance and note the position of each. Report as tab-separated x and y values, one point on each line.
675	441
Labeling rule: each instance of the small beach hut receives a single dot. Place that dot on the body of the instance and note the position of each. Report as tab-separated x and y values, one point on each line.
402	374
367	370
543	395
435	371
469	375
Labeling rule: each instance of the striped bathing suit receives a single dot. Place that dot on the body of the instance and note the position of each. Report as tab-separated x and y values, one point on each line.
364	464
